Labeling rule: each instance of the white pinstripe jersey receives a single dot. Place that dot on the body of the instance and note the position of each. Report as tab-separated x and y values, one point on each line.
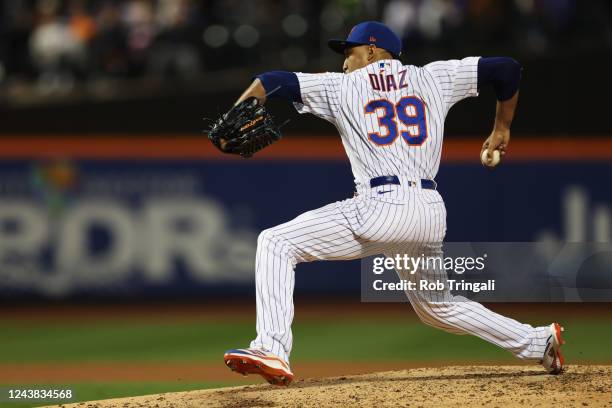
390	116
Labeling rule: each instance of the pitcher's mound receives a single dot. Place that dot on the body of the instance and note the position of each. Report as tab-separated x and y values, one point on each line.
470	386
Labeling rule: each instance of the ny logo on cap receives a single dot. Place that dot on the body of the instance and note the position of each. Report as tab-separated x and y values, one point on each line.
372	39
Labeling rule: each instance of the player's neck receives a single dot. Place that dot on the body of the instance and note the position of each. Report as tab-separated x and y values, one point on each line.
381	59
381	56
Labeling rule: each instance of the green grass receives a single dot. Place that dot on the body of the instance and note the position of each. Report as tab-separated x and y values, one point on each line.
350	339
417	342
105	390
205	341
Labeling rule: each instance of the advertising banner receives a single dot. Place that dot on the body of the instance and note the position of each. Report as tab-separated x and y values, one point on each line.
170	227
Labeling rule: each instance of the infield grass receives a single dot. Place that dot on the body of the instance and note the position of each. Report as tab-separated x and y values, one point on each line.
350	339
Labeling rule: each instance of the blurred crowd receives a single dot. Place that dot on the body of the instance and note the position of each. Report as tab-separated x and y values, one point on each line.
57	44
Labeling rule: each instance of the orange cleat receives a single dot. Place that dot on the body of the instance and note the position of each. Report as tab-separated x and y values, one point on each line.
254	361
553	360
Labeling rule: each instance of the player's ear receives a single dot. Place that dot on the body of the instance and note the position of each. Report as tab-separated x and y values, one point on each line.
371	52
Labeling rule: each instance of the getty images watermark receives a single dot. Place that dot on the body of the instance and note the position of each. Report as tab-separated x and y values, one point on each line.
431	273
493	272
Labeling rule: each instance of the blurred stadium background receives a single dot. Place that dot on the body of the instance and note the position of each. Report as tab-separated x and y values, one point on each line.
127	242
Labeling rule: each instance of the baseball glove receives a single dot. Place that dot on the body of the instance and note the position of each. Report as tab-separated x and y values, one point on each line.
245	129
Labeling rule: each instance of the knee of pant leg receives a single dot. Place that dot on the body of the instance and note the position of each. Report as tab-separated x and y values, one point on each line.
264	238
427	315
267	239
270	240
435	314
434	320
438	310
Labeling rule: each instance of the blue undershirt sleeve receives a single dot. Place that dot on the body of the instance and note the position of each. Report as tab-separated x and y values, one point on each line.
281	84
503	73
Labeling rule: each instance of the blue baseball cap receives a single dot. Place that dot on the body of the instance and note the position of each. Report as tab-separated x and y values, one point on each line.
366	33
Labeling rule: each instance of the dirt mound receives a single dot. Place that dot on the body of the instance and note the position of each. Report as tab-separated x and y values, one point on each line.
475	386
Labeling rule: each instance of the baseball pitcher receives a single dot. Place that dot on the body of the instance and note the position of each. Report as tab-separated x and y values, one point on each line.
390	117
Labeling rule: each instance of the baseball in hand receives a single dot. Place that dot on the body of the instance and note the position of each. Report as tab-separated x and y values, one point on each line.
494	160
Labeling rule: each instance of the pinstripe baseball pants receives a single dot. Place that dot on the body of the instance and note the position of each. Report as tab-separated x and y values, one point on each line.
385	220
